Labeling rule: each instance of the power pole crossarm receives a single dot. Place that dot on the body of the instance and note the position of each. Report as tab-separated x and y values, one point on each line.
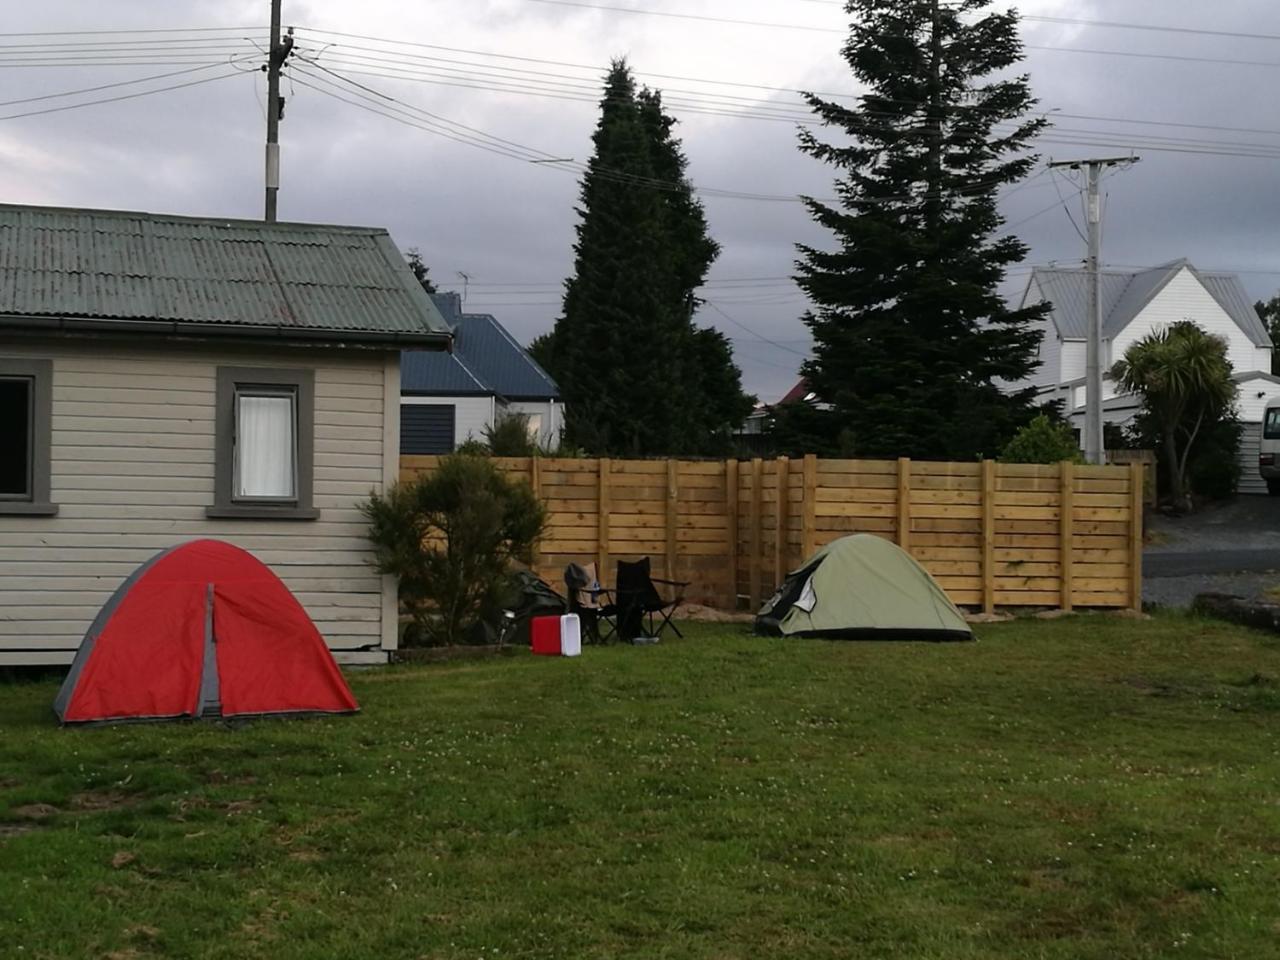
1094	446
278	54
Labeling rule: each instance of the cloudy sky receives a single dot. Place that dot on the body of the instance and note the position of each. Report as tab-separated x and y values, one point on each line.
459	96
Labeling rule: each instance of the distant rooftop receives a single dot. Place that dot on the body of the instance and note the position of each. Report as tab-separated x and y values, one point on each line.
486	361
1125	293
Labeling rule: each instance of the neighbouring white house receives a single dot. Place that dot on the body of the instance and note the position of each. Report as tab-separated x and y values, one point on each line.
165	379
449	398
1135	304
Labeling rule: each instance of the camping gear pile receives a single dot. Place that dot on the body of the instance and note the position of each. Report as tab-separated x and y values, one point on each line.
862	588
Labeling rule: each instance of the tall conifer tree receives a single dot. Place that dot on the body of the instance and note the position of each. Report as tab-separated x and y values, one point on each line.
911	338
637	377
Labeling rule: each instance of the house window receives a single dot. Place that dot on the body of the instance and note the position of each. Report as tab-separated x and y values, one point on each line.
265	443
426	428
26	403
534	423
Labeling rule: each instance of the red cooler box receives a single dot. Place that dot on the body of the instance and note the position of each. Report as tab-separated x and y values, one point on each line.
556	636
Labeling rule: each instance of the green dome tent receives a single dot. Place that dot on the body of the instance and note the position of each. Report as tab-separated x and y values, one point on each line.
862	588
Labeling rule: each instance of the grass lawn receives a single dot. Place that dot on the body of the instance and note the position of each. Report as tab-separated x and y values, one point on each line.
1089	787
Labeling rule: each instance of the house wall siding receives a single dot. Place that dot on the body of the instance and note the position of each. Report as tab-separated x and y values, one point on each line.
473	415
133	471
1184	298
552	415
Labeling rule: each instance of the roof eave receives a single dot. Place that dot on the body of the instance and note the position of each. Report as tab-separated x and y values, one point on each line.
193	328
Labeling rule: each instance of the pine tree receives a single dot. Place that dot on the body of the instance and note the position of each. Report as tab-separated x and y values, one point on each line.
911	338
420	270
631	366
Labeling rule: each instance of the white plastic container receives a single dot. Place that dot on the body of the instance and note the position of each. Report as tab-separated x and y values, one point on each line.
570	636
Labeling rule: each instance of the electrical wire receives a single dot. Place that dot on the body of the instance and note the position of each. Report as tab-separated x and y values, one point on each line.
1053	173
126	96
754	333
109	86
597	70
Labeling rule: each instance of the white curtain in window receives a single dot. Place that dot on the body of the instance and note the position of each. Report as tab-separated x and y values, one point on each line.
264	446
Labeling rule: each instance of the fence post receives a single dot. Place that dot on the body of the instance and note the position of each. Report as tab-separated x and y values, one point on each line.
809	508
535	481
1066	529
673	518
782	468
731	511
603	509
904	503
757	521
988	536
1137	500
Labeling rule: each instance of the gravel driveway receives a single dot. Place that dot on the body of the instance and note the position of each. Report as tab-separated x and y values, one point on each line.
1231	548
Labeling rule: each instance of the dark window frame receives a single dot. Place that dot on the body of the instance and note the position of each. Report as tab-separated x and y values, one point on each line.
231	382
38	501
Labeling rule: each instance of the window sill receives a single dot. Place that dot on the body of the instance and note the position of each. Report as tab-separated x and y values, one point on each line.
244	511
25	508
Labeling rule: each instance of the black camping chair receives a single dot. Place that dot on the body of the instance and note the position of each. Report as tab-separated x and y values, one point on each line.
584	590
638	598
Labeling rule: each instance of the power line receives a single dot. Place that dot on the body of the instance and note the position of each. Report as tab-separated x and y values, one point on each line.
98	33
1078	21
108	86
126	96
754	333
689	16
597	70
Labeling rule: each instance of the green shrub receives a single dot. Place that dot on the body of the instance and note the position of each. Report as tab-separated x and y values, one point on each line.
1042	441
450	536
508	436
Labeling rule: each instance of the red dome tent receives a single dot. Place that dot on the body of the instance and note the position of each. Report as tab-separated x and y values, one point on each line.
202	629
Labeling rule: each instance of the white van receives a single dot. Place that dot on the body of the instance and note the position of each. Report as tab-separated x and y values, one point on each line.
1269	447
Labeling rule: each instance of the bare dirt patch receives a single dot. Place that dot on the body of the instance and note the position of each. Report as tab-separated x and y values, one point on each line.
34	811
702	614
17	829
95	801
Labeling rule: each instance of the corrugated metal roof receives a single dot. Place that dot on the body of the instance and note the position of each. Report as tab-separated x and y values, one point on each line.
297	279
1126	293
486	360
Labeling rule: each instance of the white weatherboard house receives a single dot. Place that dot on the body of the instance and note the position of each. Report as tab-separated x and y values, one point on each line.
1135	304
164	379
449	398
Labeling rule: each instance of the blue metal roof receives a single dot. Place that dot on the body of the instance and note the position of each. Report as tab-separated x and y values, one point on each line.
486	361
141	270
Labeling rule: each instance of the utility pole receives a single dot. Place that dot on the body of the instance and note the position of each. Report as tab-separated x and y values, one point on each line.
1094	447
279	53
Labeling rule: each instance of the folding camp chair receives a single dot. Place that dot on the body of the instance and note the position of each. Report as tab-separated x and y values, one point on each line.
638	598
585	592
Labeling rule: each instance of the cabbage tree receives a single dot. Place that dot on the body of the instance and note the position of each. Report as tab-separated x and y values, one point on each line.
1184	378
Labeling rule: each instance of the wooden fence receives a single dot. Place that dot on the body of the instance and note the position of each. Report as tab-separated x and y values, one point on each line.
992	534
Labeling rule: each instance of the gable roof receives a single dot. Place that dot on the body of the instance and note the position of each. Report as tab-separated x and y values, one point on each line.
486	361
1126	293
111	270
